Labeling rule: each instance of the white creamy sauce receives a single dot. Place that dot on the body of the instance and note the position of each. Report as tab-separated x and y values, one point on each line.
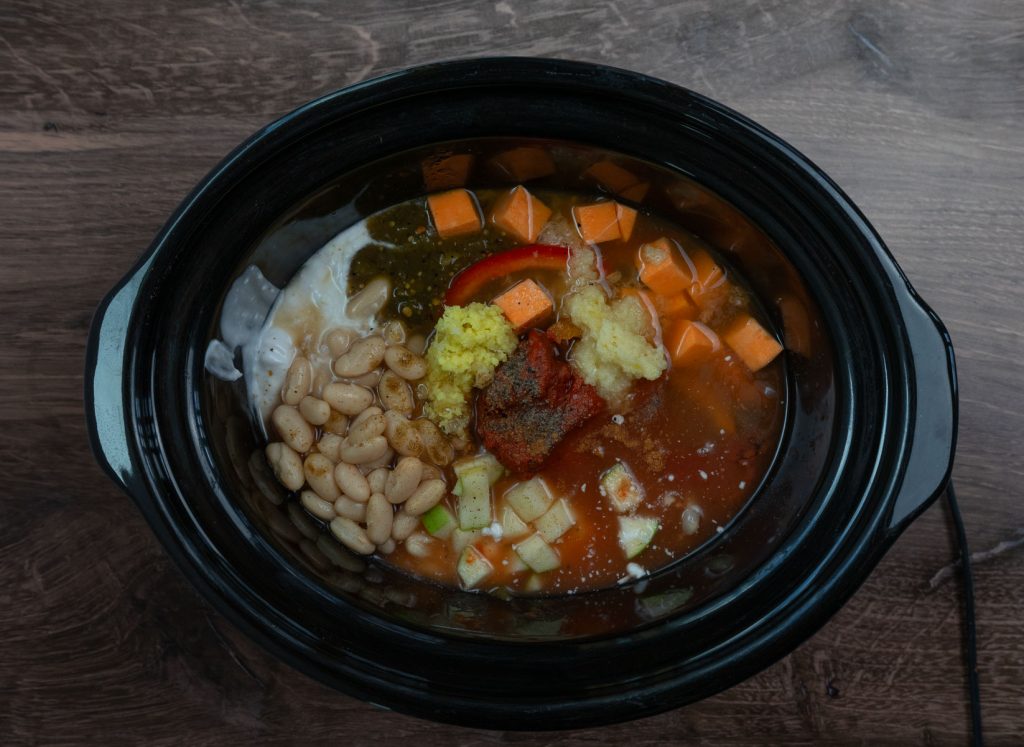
270	325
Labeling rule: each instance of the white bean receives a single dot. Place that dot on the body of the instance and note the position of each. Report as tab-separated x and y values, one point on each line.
320	476
402	434
298	382
417	344
430	472
315	557
364	356
369	380
352	483
364	451
339	340
368	424
404	479
348	399
315	411
264	477
351	535
286	465
328	445
425	497
321	378
302	522
317	506
403	525
435	445
405	363
378	479
338	556
384	460
418	545
292	427
350	509
395	393
386	547
337	424
379	516
371	299
394	332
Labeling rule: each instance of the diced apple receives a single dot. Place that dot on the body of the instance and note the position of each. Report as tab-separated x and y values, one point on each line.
439	521
485	460
475	499
621	487
473	567
556	521
529	499
538	554
636	533
511	525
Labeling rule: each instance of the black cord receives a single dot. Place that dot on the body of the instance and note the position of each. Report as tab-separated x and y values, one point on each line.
970	630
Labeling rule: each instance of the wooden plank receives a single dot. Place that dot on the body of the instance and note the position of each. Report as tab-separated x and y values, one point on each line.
110	111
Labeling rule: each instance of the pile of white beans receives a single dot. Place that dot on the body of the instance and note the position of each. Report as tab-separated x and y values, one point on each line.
351	447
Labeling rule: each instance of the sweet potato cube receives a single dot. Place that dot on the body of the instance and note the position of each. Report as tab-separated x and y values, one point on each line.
627	219
521	214
637	192
599	222
676	306
447	172
526	305
662	269
755	346
689	342
454	213
611	176
523	164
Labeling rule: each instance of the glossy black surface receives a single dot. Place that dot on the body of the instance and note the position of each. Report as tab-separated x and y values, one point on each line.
861	459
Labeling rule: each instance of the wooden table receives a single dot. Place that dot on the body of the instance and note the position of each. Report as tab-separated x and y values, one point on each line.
110	111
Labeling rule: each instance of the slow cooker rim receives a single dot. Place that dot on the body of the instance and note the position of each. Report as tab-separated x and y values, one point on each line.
166	235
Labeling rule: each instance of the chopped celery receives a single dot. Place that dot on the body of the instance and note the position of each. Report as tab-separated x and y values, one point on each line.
636	533
473	567
475	500
457	490
537	554
439	521
486	461
621	488
534	583
556	522
512	525
516	564
461	538
529	499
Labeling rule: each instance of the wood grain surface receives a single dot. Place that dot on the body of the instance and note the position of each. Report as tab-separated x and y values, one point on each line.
111	110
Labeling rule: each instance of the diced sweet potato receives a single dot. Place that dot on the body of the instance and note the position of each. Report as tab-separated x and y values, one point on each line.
454	213
751	342
796	327
690	342
597	223
627	219
618	180
677	306
521	214
446	172
662	269
525	305
637	192
523	164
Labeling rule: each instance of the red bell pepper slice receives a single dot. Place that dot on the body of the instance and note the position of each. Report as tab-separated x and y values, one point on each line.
468	283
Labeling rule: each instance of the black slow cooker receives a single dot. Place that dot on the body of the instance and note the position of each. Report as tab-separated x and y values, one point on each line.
868	441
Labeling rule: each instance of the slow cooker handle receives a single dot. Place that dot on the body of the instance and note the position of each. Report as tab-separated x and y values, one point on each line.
104	380
935	412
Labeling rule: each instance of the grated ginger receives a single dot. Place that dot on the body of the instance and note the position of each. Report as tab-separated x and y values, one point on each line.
613	350
469	343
